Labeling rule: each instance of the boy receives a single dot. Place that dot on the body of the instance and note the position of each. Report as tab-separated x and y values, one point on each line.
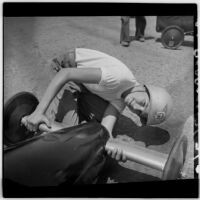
104	86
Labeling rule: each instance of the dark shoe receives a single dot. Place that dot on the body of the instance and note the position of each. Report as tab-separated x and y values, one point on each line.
125	44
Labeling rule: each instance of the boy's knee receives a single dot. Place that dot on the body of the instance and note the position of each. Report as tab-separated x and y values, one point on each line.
71	118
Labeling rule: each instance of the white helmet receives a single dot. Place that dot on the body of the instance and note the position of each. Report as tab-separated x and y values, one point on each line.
160	105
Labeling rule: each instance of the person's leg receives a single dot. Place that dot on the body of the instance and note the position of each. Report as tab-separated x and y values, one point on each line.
63	108
124	36
140	23
143	24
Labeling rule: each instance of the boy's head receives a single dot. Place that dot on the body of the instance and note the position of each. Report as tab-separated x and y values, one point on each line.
153	104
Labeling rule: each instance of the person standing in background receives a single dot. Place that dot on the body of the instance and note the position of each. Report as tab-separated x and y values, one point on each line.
140	24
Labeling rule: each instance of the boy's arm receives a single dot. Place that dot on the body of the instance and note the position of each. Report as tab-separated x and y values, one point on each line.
63	76
110	118
108	121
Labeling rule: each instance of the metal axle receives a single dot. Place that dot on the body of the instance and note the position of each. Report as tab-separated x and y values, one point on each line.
147	157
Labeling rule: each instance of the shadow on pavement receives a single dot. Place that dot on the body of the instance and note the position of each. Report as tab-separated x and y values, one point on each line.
132	38
185	42
148	134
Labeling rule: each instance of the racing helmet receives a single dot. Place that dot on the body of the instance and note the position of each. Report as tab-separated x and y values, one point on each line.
160	105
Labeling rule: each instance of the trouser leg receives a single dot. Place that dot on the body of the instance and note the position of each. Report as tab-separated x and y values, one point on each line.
124	36
140	22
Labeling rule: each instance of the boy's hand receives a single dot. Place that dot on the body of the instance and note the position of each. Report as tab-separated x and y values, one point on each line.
33	121
117	154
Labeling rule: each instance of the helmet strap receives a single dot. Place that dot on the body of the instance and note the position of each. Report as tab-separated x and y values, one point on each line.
147	91
135	89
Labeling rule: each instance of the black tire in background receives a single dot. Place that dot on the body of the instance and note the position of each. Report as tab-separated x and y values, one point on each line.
172	37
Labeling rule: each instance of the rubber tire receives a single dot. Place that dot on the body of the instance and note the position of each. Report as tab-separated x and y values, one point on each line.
172	32
19	105
176	159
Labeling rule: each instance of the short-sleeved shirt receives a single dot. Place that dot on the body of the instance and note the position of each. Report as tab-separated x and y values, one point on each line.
116	77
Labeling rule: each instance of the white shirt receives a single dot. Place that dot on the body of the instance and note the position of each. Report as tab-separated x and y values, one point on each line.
116	77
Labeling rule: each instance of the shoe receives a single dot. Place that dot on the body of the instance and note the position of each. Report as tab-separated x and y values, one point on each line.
125	44
141	39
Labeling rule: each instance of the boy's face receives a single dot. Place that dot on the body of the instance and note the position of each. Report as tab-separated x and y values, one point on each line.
138	102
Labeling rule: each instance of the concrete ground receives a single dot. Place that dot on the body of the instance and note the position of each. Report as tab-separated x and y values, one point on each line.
30	42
